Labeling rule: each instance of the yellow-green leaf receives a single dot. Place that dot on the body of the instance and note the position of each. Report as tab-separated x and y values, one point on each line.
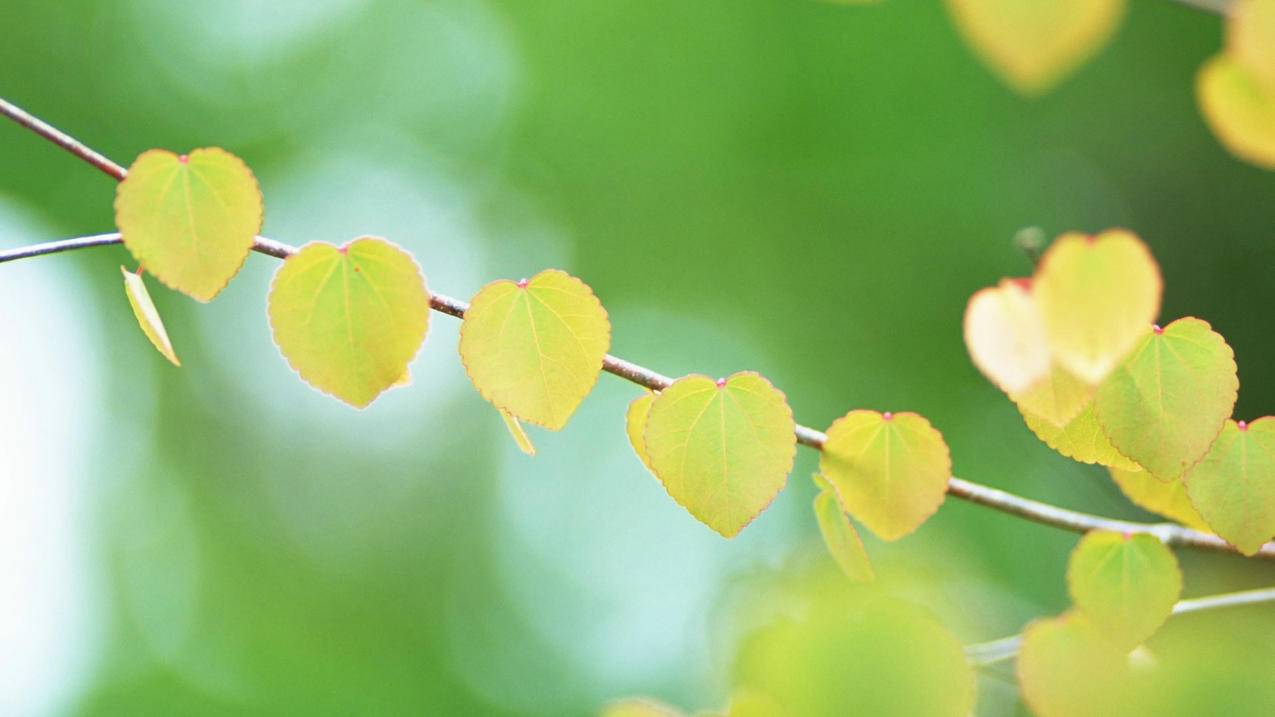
1126	585
723	448
1239	108
1005	336
1250	35
1164	405
147	315
1033	44
521	439
839	534
1081	439
890	470
191	220
1056	399
638	707
535	348
1097	294
635	426
1168	499
350	319
1233	486
1066	669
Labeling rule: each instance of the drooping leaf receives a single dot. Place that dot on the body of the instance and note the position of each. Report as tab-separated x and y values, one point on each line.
349	319
1005	336
1126	585
839	534
147	315
1233	486
1168	499
535	348
722	449
1081	439
191	220
1033	44
1239	108
1065	669
1250	36
521	439
1164	405
638	707
1097	295
635	426
890	470
1056	399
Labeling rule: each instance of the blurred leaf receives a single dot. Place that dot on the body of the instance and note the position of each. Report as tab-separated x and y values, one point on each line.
638	707
1065	669
635	426
1097	296
147	315
1126	585
1056	399
839	534
890	470
751	703
517	433
535	348
1005	335
350	319
1033	44
1164	405
1239	110
191	220
1080	439
1250	35
1150	493
1233	486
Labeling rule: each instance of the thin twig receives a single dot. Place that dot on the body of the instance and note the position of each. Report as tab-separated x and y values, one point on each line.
60	138
1169	533
1006	648
1217	7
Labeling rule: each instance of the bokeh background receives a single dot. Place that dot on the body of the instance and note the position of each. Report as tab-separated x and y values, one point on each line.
810	190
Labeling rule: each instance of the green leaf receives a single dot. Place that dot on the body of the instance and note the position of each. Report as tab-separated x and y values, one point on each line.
635	426
1065	669
535	348
722	449
1126	585
1005	335
638	707
1081	439
1239	108
521	439
839	534
350	319
1164	405
890	470
1097	296
1233	486
147	315
1167	499
1033	44
191	220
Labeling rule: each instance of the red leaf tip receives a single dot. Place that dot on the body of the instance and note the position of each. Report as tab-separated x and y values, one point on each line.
721	383
1157	329
522	283
183	158
887	416
1243	425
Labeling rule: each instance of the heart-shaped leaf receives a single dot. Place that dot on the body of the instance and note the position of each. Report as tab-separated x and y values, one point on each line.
1033	44
1081	439
535	348
1240	109
1126	585
191	220
635	426
1056	399
1065	668
1097	296
890	470
1250	38
1005	336
147	315
1164	405
839	534
722	449
1168	499
1233	486
350	319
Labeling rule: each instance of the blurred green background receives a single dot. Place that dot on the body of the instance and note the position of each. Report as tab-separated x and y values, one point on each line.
809	190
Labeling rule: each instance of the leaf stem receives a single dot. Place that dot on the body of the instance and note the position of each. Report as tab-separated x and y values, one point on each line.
1035	511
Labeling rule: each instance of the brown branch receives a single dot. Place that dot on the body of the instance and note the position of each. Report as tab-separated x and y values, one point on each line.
1043	513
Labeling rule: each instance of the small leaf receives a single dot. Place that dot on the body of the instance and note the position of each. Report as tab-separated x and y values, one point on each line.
1164	405
1097	296
349	319
191	220
1167	499
535	348
517	433
1005	335
1065	668
635	426
638	707
147	315
1081	439
1250	38
1239	108
1233	486
1057	399
722	449
890	470
1126	585
1033	44
839	534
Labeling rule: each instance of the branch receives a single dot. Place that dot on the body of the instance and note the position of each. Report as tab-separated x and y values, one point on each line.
1217	7
1006	648
1043	513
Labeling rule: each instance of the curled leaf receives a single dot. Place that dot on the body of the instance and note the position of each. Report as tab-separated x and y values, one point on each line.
147	315
843	541
521	439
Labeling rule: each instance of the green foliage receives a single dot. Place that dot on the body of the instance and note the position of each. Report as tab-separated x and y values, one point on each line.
1233	486
1126	585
